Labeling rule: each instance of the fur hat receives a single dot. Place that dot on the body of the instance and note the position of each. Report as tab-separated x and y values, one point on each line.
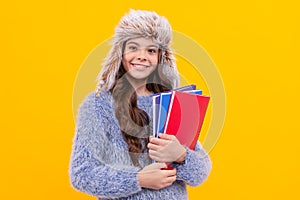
139	23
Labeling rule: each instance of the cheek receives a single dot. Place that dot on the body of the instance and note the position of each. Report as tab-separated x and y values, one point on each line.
125	61
126	58
124	65
154	60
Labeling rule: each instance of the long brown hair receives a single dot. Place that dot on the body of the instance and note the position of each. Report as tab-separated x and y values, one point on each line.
133	121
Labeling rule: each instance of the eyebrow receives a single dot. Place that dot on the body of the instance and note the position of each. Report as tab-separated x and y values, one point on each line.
151	45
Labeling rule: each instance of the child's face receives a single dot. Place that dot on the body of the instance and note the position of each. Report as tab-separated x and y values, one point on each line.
140	57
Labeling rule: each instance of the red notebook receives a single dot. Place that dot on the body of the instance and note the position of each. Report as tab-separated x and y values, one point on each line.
185	117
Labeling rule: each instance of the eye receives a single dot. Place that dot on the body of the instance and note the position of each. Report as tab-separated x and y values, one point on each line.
132	48
152	51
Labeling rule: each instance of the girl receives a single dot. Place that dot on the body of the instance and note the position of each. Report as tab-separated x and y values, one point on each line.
113	151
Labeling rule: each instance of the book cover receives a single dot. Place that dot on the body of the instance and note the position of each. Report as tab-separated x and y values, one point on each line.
185	117
156	98
187	87
163	108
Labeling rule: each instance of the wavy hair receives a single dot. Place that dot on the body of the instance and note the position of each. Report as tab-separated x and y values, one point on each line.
133	121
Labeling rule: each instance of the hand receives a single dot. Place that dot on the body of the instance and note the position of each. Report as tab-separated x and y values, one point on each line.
166	148
153	177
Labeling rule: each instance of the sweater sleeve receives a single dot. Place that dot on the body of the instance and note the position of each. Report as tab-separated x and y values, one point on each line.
196	167
88	172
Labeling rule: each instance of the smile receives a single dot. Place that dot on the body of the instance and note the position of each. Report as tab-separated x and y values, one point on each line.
139	66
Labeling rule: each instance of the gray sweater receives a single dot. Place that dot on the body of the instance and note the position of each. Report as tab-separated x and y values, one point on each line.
100	163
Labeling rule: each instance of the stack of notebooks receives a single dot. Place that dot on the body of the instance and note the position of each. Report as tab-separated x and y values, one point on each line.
180	112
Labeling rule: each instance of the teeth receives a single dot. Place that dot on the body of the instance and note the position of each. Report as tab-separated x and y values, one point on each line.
139	66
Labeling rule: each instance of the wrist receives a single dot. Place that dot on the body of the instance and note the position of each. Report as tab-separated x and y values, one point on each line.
140	178
181	159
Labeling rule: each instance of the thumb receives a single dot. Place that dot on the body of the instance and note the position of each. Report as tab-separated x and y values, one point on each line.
154	166
160	165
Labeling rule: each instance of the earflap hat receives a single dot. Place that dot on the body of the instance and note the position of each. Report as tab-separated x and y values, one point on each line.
139	23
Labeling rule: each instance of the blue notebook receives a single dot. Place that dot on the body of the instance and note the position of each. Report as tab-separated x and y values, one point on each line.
155	103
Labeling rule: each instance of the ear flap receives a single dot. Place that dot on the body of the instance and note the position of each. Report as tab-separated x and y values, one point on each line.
169	68
111	67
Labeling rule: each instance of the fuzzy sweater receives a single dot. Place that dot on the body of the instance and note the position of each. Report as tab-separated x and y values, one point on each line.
100	163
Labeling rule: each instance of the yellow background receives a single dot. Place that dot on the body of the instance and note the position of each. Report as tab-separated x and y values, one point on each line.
255	45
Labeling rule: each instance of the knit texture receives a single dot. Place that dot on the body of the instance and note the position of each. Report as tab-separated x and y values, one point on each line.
100	163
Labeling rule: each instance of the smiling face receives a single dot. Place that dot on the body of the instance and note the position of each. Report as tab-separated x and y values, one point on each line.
140	58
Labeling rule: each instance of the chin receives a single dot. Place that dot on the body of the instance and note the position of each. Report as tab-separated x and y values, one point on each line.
137	77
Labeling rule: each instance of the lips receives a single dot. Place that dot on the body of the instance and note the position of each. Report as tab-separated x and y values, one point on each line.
139	67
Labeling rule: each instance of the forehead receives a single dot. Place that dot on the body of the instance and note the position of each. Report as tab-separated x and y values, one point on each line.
143	42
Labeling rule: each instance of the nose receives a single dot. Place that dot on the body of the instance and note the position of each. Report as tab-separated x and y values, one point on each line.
142	55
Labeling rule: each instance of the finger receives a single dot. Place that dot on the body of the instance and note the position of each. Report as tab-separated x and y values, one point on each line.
152	146
171	172
150	137
168	181
165	136
171	179
159	141
154	140
158	165
153	167
153	152
161	165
